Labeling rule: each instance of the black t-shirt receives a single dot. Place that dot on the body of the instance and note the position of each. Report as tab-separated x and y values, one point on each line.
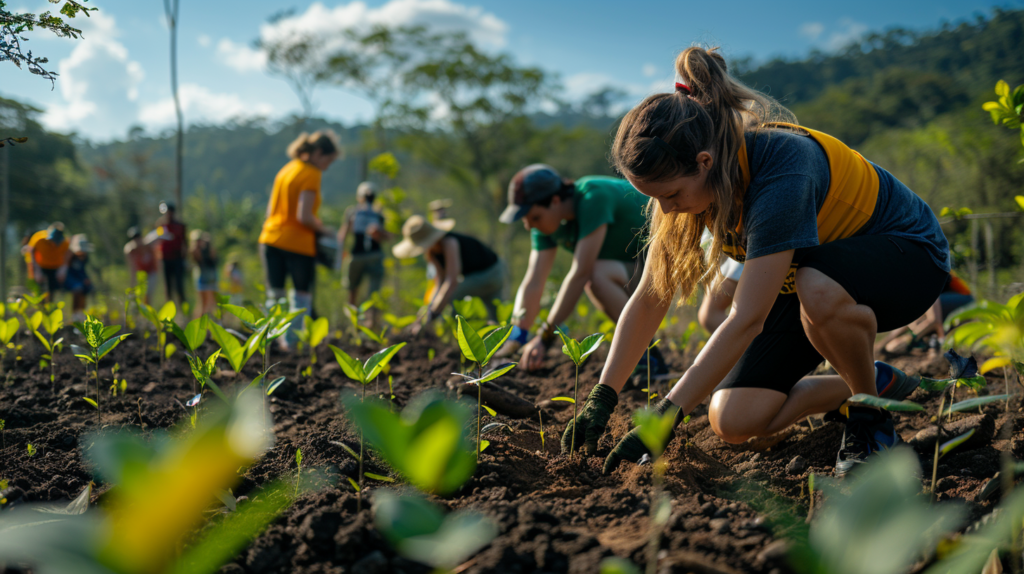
475	256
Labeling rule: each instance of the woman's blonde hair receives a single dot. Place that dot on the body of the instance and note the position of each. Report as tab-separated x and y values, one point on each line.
711	116
324	141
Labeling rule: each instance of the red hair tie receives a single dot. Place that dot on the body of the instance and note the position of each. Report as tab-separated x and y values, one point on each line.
681	87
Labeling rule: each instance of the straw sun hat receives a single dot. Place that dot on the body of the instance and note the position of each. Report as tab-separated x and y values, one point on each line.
419	235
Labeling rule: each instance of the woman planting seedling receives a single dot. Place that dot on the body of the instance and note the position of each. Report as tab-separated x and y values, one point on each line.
598	220
835	250
465	266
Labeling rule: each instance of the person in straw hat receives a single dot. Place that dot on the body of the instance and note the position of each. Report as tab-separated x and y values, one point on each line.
366	224
437	210
465	266
77	281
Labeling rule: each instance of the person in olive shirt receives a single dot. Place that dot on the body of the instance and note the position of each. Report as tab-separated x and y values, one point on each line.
597	219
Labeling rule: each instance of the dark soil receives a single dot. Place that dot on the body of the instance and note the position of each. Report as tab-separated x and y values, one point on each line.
731	504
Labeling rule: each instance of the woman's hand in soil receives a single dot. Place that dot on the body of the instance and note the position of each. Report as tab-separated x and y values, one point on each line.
533	354
632	447
591	421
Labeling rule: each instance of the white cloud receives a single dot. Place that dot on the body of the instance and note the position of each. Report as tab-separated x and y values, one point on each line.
649	70
199	104
240	57
812	30
204	40
484	28
98	82
850	31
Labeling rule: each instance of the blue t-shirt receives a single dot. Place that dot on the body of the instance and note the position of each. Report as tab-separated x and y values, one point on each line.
789	180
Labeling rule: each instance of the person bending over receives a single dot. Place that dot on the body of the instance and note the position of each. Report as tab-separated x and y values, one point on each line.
465	266
47	255
597	219
288	239
822	233
717	302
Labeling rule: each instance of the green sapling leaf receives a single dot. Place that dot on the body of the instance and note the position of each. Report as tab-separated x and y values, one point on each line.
887	404
955	442
974	403
469	342
352	368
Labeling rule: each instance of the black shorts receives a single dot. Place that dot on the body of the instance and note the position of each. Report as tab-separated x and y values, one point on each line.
281	264
895	277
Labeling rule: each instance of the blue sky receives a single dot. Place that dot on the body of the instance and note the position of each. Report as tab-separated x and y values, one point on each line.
118	75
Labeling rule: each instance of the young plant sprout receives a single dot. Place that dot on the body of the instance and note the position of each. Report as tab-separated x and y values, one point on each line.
356	316
31	449
654	430
480	351
997	329
363	373
298	470
8	329
579	352
650	393
159	320
101	340
312	334
419	530
237	353
963	371
426	443
52	323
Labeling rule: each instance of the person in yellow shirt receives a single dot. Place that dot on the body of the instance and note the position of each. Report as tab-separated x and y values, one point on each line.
47	255
289	236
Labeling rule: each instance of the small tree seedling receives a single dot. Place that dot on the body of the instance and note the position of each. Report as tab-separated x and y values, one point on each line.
101	340
298	470
52	323
31	449
579	352
313	333
650	394
363	373
420	531
426	443
8	329
654	430
963	371
480	351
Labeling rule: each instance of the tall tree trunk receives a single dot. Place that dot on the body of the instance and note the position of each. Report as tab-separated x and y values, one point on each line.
171	10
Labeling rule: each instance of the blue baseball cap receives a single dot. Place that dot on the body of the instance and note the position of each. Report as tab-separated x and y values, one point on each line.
528	186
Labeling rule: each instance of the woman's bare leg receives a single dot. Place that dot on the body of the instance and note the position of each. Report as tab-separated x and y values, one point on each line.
741	413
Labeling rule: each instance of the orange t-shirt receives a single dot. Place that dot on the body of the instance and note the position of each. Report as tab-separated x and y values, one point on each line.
47	254
282	229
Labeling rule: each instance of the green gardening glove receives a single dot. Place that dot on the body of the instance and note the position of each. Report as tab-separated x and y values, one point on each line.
632	448
592	420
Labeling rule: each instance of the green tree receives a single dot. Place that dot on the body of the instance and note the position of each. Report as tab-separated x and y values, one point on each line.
13	27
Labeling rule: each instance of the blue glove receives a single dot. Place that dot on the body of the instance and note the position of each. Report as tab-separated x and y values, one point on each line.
521	336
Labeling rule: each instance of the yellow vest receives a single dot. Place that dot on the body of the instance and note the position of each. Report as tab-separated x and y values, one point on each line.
849	202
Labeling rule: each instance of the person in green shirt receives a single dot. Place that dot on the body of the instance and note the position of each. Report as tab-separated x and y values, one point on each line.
597	219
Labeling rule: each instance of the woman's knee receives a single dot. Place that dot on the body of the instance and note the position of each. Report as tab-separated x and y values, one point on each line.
738	414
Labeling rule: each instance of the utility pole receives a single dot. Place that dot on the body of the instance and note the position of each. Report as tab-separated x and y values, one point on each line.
5	192
171	10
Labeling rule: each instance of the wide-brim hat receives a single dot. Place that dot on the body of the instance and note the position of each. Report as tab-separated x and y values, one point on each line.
418	235
80	244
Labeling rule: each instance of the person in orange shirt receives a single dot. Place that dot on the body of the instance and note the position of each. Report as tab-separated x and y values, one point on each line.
289	236
47	255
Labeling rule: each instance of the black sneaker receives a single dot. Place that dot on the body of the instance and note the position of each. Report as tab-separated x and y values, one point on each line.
868	431
890	382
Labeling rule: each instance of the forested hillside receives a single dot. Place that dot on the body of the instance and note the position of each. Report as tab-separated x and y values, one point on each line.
909	101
